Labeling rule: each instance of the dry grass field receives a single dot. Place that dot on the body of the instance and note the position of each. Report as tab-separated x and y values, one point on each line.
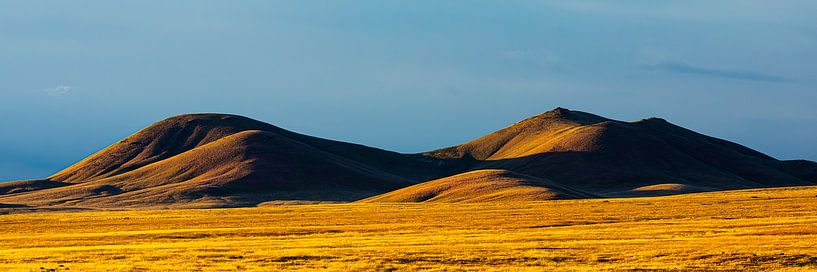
763	230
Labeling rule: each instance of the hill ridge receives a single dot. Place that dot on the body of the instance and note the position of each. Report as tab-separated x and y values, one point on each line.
212	159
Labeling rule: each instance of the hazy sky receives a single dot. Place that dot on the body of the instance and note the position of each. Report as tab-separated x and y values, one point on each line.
410	76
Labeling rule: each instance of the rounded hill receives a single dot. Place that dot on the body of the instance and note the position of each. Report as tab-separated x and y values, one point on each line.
481	186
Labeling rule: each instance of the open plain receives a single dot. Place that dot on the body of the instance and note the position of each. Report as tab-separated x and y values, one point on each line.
408	136
758	229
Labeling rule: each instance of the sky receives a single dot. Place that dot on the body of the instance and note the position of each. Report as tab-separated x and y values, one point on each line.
408	76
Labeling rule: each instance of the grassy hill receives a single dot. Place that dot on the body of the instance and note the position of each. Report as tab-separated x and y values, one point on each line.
481	186
615	158
221	160
217	160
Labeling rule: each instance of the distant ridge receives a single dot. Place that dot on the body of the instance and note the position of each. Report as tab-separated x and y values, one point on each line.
222	160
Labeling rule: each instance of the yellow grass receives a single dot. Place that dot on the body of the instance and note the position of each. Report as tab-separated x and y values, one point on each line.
762	230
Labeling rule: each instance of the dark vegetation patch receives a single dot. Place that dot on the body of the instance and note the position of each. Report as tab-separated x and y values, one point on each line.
791	260
297	258
530	261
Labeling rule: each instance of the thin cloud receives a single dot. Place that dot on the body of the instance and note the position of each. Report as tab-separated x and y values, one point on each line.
685	68
60	90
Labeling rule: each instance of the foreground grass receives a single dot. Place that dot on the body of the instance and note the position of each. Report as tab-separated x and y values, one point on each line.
764	230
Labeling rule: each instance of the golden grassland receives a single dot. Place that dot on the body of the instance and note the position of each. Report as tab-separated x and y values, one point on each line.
771	229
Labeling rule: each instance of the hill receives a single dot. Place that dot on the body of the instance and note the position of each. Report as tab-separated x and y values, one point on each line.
182	133
216	160
221	160
614	158
481	186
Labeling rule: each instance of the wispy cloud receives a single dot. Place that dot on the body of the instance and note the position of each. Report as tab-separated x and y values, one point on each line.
685	68
60	90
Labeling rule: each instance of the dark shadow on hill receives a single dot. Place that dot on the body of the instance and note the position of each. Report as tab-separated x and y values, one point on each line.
614	175
8	206
22	186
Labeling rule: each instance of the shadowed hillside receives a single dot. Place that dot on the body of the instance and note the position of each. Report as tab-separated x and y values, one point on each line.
22	186
218	160
481	186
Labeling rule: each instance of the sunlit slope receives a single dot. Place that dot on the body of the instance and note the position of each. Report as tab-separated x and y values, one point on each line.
182	133
599	155
157	142
541	133
481	186
244	168
205	160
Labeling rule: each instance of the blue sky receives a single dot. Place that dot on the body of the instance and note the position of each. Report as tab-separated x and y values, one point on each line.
410	76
